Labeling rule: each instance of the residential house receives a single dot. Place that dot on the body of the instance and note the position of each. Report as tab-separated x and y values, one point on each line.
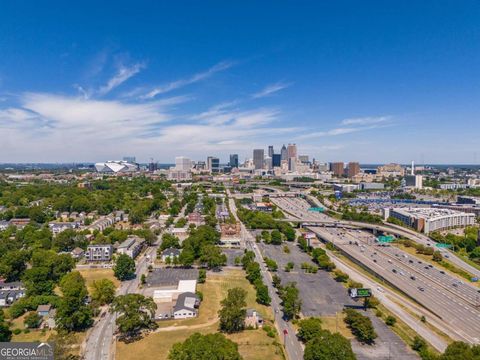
170	253
77	253
44	310
253	319
99	252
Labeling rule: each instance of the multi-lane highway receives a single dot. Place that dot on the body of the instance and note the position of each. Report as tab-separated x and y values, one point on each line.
454	301
298	208
449	298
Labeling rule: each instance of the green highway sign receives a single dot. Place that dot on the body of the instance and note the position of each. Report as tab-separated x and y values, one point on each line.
359	293
386	239
317	209
442	245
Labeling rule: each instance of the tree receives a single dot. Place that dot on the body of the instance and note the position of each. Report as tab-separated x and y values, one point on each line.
233	312
418	344
32	320
361	326
72	313
136	312
291	301
390	320
329	346
201	347
309	329
212	256
5	332
169	241
262	293
340	276
202	276
186	258
271	264
437	256
13	264
124	268
276	237
276	281
103	291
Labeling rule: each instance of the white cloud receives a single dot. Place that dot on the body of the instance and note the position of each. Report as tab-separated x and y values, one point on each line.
270	89
366	120
123	74
162	89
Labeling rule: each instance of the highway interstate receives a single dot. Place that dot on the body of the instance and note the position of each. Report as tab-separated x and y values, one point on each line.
427	284
453	301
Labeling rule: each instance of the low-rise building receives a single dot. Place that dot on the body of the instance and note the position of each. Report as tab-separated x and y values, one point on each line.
253	319
96	253
427	220
58	227
77	253
170	253
132	246
186	306
11	292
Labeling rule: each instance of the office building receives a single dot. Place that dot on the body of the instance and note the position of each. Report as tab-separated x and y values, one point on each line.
390	170
292	151
234	160
268	163
99	253
183	163
283	153
276	160
337	168
414	181
428	220
258	156
303	159
353	169
213	164
270	151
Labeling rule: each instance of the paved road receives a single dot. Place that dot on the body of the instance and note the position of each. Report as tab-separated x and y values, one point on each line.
298	208
99	342
293	347
425	283
322	296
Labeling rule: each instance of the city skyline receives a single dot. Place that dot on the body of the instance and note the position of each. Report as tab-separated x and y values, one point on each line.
165	83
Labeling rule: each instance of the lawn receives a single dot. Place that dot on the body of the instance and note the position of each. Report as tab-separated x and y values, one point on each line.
253	344
336	324
91	275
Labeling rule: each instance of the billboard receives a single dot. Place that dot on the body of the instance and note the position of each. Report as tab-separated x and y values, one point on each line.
359	293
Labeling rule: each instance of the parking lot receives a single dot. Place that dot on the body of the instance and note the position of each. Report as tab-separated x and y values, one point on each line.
232	254
169	276
323	296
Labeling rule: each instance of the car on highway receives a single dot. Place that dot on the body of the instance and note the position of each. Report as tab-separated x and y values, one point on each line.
413	277
442	272
394	271
421	288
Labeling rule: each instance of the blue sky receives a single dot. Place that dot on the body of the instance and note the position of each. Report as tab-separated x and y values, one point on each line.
369	81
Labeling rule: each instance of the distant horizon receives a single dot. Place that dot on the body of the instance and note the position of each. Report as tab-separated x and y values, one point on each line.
374	81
